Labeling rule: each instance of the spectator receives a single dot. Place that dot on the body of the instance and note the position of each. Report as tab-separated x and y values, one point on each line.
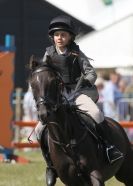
111	95
30	114
100	85
122	84
123	104
29	107
129	94
129	89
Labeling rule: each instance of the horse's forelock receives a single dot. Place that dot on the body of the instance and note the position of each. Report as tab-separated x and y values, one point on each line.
34	63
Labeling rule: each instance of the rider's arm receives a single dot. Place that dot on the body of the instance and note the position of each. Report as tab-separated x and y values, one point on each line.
45	55
86	68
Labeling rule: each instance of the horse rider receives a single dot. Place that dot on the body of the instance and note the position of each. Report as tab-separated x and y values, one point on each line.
73	63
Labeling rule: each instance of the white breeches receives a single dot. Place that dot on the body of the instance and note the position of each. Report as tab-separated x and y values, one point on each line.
85	103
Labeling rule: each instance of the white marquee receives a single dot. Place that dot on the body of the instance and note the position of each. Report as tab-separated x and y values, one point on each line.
112	46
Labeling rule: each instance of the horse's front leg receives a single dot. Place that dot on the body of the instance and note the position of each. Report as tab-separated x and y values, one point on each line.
96	178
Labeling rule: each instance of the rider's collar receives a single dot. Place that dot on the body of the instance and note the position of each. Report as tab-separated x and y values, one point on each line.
60	52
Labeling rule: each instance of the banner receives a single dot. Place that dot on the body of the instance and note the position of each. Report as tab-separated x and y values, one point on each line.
6	88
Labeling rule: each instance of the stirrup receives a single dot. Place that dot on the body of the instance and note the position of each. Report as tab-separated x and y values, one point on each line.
112	155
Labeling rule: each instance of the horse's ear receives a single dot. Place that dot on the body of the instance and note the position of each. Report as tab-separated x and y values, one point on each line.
48	60
33	63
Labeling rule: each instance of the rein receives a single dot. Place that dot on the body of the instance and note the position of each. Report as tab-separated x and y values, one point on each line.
72	143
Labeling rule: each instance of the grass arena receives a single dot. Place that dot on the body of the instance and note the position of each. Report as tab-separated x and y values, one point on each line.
30	174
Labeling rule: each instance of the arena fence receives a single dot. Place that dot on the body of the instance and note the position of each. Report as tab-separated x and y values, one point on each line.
19	144
125	117
124	124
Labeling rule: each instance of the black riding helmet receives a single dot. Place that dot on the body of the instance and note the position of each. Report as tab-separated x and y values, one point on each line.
61	23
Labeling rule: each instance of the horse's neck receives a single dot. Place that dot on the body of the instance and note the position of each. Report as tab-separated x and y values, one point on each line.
66	126
56	126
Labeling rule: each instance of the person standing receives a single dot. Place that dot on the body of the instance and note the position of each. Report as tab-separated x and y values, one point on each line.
111	96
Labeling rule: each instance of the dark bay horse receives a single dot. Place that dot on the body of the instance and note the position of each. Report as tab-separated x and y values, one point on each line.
76	154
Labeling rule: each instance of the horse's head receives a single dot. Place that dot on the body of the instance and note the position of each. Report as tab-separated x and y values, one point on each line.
46	85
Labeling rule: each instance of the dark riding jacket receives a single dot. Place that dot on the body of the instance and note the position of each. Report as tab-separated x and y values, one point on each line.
73	64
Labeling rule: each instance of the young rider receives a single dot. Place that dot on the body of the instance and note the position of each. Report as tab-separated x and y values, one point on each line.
74	63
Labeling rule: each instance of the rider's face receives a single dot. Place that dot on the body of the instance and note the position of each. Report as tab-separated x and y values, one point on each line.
62	39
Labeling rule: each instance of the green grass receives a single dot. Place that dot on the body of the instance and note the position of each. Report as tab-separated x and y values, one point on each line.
31	174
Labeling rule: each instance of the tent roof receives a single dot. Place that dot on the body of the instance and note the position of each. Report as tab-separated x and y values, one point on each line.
95	12
112	46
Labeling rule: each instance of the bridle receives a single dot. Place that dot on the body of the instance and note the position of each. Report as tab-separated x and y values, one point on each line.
46	100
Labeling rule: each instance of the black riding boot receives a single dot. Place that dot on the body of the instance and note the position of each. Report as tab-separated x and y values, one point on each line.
50	171
113	154
51	174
